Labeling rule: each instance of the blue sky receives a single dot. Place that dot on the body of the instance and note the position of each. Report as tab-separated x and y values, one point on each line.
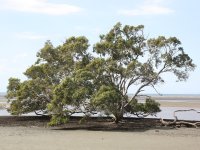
26	24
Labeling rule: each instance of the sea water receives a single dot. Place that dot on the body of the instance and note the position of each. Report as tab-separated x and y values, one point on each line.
166	112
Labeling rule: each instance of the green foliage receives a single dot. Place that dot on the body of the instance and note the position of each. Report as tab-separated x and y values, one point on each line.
53	65
70	79
13	87
58	120
30	97
149	107
107	99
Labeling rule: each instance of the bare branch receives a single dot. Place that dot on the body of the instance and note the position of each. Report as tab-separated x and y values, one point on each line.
177	123
156	90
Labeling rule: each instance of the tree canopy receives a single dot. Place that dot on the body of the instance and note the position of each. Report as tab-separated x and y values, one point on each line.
70	79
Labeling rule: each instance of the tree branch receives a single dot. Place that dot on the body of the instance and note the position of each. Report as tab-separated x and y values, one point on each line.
146	84
156	90
177	123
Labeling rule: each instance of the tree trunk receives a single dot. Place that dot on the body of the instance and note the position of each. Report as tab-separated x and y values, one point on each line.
118	117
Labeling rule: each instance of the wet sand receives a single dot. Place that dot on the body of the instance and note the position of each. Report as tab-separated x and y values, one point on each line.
37	138
33	137
178	101
185	104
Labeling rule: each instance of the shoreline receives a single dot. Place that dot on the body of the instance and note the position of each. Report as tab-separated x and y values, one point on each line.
92	123
167	107
185	104
22	133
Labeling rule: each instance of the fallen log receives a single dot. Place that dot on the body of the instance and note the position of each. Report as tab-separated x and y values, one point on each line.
176	123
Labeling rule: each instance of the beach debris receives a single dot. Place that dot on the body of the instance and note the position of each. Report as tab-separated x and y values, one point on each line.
177	123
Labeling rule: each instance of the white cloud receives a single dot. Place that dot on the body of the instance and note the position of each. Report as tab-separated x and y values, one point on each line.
153	7
39	6
30	36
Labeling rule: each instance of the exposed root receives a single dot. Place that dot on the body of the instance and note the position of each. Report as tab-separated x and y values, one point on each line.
176	123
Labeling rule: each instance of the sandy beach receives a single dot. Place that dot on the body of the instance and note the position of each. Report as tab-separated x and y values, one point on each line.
186	104
32	133
35	138
28	135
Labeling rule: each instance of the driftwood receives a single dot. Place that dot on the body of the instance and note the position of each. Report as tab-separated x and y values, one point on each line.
177	123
